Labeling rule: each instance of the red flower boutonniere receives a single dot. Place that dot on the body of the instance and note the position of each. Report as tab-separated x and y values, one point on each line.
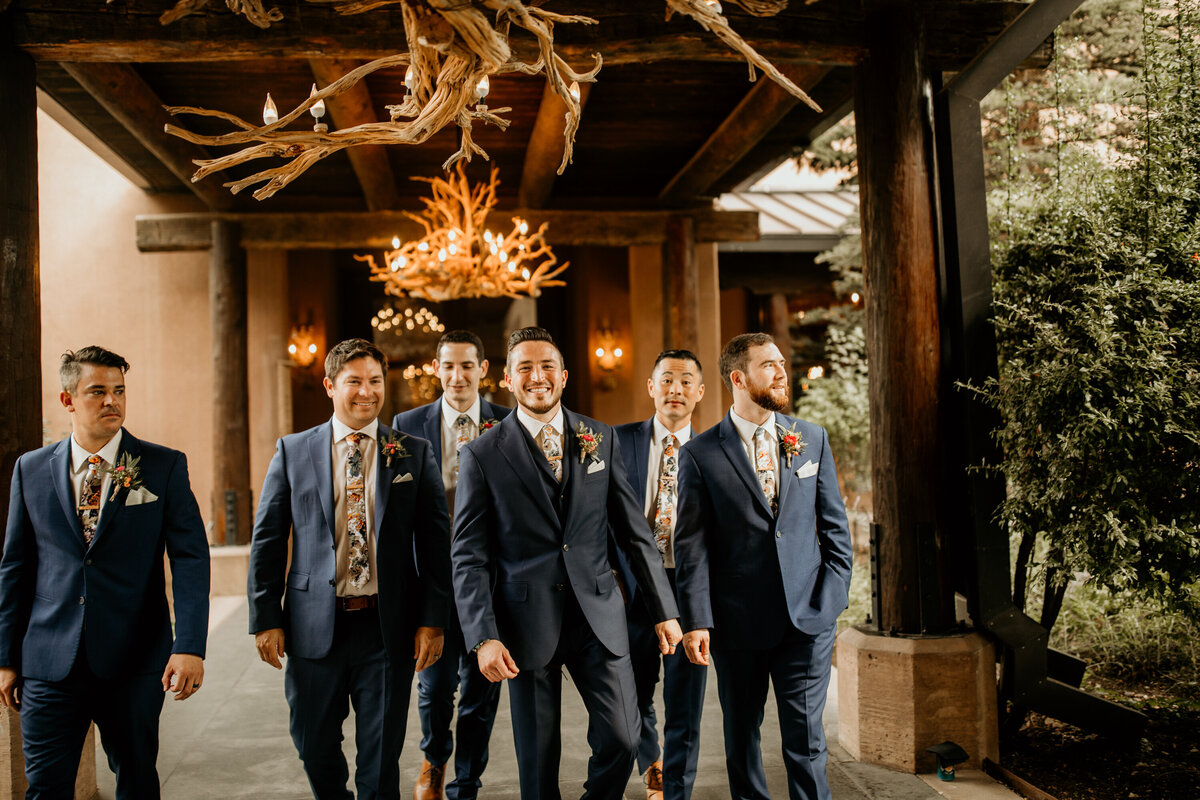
486	425
125	475
392	447
793	444
588	440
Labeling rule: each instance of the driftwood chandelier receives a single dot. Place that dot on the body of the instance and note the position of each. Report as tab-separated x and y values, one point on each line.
453	46
459	256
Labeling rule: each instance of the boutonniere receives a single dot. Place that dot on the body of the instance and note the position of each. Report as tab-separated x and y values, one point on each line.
588	440
392	446
793	444
486	425
125	475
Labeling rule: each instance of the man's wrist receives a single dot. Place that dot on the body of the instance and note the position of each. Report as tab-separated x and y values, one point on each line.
482	642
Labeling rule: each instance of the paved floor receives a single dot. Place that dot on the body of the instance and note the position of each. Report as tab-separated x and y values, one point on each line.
231	741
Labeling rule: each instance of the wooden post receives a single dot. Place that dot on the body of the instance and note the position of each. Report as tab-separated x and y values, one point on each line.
681	285
903	342
231	390
778	323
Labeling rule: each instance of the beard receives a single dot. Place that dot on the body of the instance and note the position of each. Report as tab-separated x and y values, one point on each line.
764	397
536	406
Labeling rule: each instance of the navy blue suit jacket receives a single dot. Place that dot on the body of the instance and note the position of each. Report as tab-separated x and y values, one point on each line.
56	591
737	564
426	421
412	542
511	548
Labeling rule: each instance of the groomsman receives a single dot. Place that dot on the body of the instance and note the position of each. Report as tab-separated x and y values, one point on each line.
85	632
651	452
367	593
458	417
535	589
762	558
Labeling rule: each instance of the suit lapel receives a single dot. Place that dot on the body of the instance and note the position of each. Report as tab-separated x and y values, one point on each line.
112	505
433	429
60	471
731	443
513	444
641	464
320	451
573	471
383	476
786	470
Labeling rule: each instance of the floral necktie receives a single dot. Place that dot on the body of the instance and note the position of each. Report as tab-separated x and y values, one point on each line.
89	498
462	425
664	510
359	567
553	451
764	466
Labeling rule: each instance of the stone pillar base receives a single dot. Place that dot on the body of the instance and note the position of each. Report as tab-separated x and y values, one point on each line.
12	762
897	696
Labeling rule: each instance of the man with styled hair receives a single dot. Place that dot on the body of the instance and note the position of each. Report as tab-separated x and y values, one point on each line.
762	562
651	451
85	629
367	593
459	416
535	588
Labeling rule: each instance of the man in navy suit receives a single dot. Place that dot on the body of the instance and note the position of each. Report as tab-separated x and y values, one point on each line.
651	451
534	585
85	632
449	423
762	558
367	593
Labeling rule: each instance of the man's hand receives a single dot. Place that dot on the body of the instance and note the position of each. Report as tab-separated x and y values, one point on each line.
695	646
669	634
495	662
270	646
427	647
8	688
184	675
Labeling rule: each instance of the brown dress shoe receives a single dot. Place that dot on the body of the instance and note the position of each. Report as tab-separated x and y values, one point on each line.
429	782
654	790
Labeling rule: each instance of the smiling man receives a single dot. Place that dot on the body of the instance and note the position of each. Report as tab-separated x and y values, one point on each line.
85	632
367	594
762	558
535	589
459	416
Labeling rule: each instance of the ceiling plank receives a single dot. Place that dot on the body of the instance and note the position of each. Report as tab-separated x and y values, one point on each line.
355	107
374	230
124	95
761	109
545	150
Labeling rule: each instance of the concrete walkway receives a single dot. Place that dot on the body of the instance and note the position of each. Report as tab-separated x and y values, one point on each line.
231	741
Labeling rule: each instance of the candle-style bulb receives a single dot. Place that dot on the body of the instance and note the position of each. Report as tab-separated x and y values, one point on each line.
270	113
482	88
410	78
318	108
574	91
395	242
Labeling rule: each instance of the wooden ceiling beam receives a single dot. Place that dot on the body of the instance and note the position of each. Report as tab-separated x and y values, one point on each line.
545	150
130	101
355	107
763	107
374	230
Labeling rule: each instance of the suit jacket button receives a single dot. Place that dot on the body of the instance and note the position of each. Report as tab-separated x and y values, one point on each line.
87	563
778	534
566	547
81	601
558	587
333	583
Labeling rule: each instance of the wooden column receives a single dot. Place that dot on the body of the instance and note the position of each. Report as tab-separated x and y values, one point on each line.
903	343
231	392
681	285
778	323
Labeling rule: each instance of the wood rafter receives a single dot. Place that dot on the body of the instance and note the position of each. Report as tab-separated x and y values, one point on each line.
545	150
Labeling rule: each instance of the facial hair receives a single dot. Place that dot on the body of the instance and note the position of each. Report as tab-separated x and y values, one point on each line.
536	407
763	397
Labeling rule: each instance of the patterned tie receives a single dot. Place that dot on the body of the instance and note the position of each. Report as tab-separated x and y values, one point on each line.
359	568
462	425
764	466
552	451
664	510
89	498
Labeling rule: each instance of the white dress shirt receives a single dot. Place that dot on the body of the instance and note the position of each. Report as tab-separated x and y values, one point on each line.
450	438
746	429
653	468
341	451
79	467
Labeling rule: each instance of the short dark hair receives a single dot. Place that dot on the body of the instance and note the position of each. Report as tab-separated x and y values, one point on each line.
72	364
532	334
461	337
683	355
345	352
737	353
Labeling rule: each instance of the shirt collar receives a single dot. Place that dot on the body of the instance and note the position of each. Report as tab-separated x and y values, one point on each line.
342	430
684	435
746	428
79	456
535	427
450	414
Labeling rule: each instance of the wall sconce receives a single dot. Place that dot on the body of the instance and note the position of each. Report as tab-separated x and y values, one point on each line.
301	347
608	357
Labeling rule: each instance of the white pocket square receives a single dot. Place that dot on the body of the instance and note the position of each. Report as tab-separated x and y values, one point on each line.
808	470
405	478
140	495
595	466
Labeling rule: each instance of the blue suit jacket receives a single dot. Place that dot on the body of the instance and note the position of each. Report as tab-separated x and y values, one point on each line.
511	548
55	591
426	421
743	572
411	545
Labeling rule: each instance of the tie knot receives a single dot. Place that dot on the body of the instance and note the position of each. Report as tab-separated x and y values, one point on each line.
356	438
462	420
94	460
760	433
548	430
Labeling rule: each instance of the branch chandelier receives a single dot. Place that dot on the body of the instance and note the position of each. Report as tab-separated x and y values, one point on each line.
459	256
453	46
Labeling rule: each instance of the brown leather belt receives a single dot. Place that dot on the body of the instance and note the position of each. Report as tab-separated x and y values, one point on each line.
357	602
